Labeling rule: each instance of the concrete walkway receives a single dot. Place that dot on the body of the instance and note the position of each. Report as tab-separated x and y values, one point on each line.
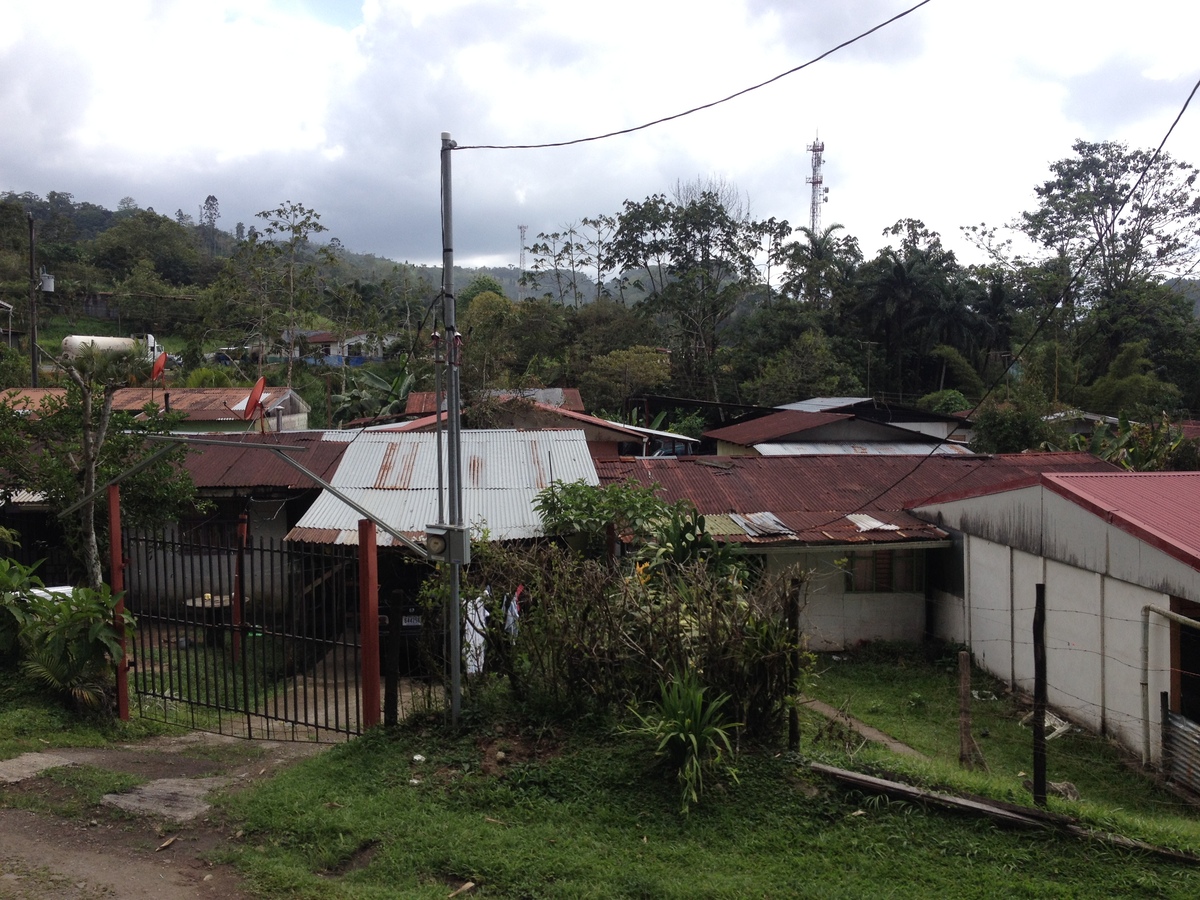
874	735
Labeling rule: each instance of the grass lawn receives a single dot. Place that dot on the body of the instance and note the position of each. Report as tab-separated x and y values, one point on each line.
30	721
589	815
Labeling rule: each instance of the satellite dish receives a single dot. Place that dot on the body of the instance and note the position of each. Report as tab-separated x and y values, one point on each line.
255	398
159	365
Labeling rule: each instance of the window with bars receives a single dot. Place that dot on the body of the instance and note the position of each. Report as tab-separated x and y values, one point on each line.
884	571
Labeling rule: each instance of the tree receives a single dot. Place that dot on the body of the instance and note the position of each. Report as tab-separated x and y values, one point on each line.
145	235
818	269
69	447
275	281
1132	387
560	259
209	213
1083	206
476	286
695	260
1119	237
613	378
805	368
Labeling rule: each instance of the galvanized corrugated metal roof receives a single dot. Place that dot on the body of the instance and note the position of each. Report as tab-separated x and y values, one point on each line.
812	495
820	404
395	476
861	448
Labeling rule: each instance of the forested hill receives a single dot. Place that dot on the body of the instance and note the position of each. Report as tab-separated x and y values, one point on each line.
686	295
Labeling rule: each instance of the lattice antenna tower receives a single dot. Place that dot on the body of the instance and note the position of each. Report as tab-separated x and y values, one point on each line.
820	194
521	274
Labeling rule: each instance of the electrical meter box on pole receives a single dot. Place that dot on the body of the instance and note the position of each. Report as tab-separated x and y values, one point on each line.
448	543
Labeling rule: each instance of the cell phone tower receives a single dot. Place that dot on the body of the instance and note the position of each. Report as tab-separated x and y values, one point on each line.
820	194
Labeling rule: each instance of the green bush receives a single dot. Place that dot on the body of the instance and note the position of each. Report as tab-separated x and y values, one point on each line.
65	643
691	732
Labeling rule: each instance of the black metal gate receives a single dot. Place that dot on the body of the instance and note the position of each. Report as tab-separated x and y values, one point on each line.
254	639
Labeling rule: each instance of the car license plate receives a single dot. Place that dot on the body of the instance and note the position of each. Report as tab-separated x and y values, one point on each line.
410	621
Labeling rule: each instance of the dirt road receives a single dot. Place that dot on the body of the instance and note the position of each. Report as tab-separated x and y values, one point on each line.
156	842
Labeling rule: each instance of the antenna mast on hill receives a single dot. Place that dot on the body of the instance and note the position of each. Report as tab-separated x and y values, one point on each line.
521	274
819	194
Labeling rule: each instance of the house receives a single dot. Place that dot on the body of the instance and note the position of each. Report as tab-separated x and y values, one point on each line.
205	409
605	439
234	476
396	476
336	349
842	518
1119	556
794	432
867	408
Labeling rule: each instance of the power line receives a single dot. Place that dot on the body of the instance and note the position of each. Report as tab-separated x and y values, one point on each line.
696	109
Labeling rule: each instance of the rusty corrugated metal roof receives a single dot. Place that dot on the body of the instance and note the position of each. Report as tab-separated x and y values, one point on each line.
235	463
199	404
774	426
862	448
423	403
812	495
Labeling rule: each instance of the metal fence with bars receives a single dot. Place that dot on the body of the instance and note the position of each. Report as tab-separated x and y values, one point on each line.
254	639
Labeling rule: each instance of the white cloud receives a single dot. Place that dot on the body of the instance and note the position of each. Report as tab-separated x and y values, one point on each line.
950	115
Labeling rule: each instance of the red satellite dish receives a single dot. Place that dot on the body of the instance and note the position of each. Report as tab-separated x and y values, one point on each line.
255	398
160	364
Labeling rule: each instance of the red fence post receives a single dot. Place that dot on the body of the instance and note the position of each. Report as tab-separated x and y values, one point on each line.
368	597
116	580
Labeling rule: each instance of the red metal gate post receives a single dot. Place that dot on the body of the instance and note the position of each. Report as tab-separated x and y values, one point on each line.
368	616
117	583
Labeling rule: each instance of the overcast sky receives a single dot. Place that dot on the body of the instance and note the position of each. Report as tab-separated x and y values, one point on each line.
950	115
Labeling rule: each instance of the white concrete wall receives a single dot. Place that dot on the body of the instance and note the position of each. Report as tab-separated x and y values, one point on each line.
834	619
989	605
1093	637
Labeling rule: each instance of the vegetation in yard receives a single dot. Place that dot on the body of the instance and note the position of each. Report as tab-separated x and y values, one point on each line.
603	633
910	692
526	811
32	719
66	643
72	791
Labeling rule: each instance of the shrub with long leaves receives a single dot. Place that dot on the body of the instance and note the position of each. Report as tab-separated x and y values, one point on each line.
68	643
691	731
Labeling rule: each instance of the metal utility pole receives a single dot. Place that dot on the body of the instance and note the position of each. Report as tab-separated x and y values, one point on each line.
33	291
819	194
453	429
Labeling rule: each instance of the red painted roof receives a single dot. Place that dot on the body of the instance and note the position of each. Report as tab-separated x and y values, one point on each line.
774	426
1161	508
812	495
237	464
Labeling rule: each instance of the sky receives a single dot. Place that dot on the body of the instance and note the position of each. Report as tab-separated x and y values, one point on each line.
951	115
